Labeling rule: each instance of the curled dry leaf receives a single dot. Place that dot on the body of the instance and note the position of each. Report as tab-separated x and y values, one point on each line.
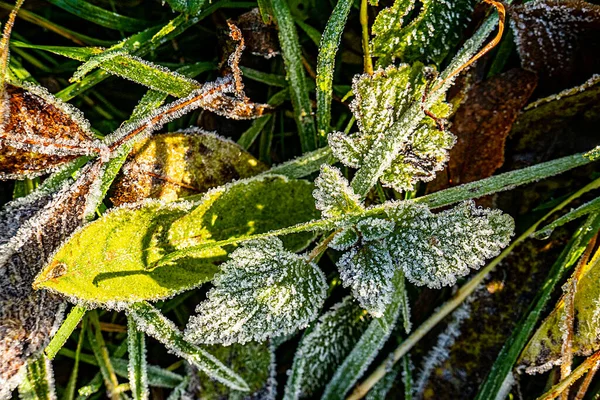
481	126
558	39
174	165
32	228
260	38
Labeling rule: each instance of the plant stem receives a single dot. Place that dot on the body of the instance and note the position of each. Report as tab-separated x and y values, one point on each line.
466	290
65	330
364	23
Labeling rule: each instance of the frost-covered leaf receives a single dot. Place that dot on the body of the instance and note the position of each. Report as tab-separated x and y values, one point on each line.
174	165
384	107
262	291
428	37
544	350
344	239
38	382
103	261
553	37
368	270
436	249
333	194
40	133
374	228
31	228
191	7
138	365
324	347
255	362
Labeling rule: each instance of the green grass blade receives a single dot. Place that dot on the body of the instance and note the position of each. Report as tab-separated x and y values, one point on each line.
138	368
292	57
153	323
38	383
592	206
70	389
250	135
505	361
330	43
98	346
65	330
100	16
264	77
312	33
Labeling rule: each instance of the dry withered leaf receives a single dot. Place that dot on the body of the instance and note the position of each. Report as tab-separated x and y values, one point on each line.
260	38
481	126
559	40
32	228
173	165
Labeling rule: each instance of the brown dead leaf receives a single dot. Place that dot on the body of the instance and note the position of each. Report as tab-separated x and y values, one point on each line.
261	39
174	165
560	40
481	126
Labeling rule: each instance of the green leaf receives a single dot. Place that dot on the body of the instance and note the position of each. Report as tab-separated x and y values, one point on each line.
323	348
190	7
255	362
428	37
38	383
103	261
412	146
66	329
333	194
98	345
263	291
100	16
152	322
70	389
590	207
138	366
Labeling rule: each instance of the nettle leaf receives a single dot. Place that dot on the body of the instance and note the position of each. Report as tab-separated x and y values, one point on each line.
41	133
382	106
324	347
254	362
262	291
344	239
436	249
31	228
333	194
174	165
544	350
428	37
368	270
101	263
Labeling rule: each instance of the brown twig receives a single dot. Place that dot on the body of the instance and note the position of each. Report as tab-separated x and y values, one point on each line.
564	384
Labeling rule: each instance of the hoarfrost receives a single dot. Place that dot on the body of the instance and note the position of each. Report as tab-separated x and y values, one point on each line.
344	239
333	194
262	291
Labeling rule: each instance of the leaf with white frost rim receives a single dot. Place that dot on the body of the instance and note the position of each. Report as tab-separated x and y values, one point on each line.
262	291
333	194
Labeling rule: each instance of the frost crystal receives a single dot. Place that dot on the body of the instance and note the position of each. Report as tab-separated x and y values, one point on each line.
375	228
368	270
391	123
262	291
436	249
429	37
324	348
344	239
333	194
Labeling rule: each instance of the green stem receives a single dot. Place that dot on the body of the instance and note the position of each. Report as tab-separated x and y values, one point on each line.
65	330
364	23
330	43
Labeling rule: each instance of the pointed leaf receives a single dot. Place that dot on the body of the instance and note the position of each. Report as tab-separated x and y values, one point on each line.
344	239
333	194
262	291
102	262
375	228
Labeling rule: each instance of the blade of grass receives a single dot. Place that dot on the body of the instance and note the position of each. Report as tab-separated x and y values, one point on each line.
292	56
330	43
153	323
311	32
138	368
98	346
100	16
38	383
70	389
250	135
66	329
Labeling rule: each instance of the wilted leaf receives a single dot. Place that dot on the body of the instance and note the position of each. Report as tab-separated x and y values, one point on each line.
382	103
31	230
260	38
481	126
324	347
104	261
41	133
544	349
428	37
263	291
436	249
174	165
255	363
558	39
